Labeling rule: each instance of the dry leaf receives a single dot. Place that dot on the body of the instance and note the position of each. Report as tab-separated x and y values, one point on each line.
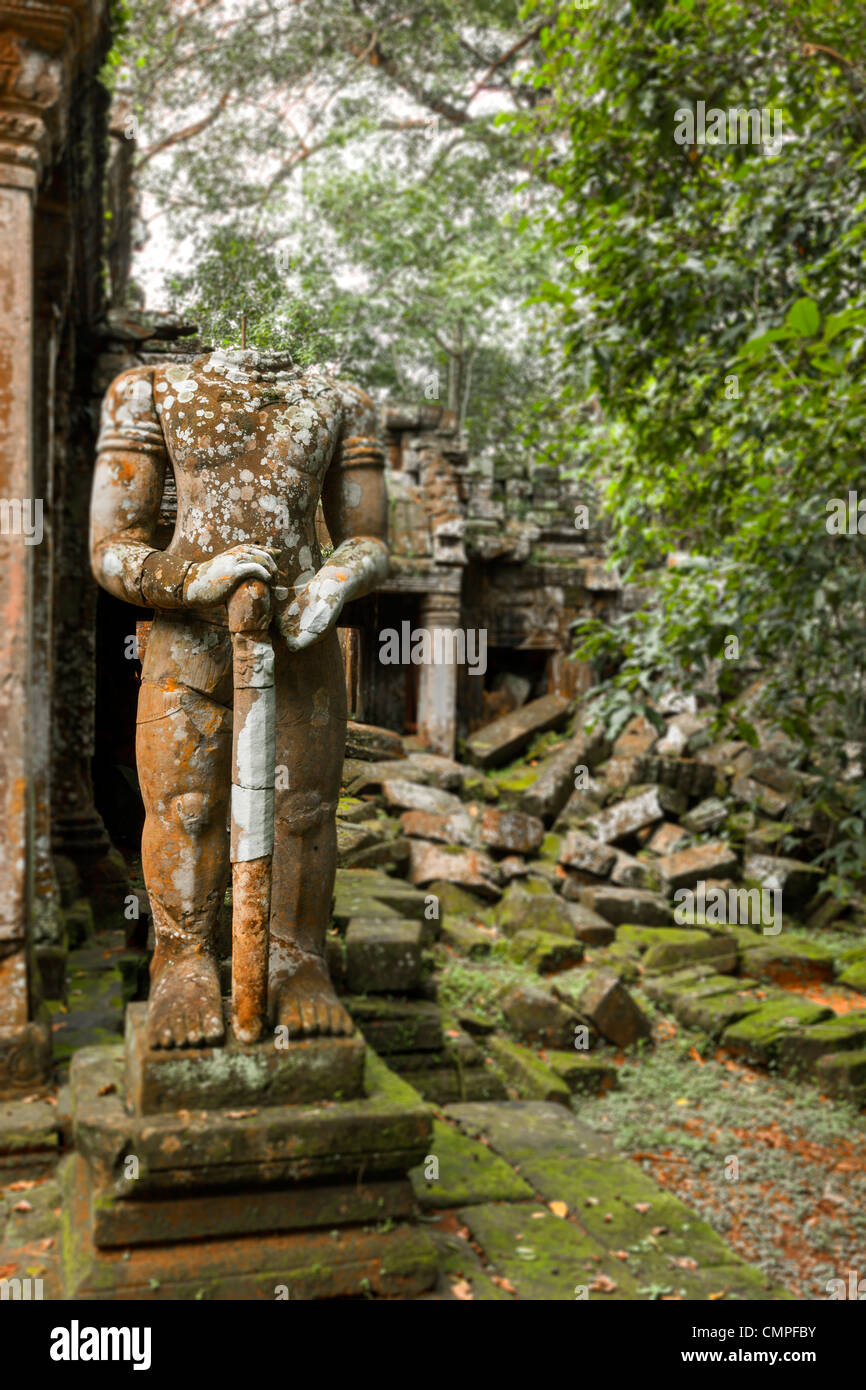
642	1207
659	1231
502	1283
6	1270
462	1289
23	1205
601	1284
108	1089
47	1243
620	1254
559	1208
537	1215
240	1114
714	1297
608	1216
463	1232
684	1262
22	1185
592	1201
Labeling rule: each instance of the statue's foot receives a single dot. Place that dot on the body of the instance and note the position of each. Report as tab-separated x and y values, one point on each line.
306	1003
186	1008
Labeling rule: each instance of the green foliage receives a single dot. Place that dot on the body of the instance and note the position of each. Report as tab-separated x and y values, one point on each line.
717	316
335	171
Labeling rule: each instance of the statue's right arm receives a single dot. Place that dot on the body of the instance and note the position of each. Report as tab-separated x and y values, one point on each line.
124	511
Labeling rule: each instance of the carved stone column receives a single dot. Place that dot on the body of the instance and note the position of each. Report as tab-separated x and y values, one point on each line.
437	681
40	52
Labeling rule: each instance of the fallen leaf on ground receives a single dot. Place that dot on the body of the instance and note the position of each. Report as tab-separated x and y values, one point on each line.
462	1289
107	1089
559	1208
502	1283
642	1207
23	1205
601	1284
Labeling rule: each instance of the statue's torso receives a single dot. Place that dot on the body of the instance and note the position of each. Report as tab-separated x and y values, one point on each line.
250	447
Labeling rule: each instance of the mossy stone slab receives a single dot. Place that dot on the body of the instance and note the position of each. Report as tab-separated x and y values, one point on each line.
545	1257
468	1172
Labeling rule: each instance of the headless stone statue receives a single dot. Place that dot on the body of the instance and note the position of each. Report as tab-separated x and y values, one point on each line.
253	443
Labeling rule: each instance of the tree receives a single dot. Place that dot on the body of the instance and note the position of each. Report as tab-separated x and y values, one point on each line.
335	171
711	299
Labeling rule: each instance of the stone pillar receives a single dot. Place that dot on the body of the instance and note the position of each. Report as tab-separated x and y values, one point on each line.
24	1044
41	52
437	681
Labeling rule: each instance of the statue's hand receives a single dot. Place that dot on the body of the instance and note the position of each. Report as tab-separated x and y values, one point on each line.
211	581
314	608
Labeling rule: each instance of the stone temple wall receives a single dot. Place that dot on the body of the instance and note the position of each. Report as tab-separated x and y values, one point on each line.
53	113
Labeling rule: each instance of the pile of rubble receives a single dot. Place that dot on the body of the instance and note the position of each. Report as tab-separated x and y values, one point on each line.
501	924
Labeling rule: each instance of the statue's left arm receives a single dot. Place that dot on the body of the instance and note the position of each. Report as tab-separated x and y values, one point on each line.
356	511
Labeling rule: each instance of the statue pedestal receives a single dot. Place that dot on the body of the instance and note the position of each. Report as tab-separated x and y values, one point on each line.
244	1200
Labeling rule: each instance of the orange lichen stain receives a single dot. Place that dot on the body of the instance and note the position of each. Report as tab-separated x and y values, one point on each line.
839	1002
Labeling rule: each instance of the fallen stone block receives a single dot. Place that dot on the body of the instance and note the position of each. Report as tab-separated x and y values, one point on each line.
581	851
457	828
637	737
466	939
589	926
714	1013
686	867
629	872
511	831
797	881
843	1074
603	999
583	1073
789	962
685	734
625	818
501	741
372	744
524	907
618	905
453	901
530	1077
666	838
749	792
440	772
854	975
707	816
414	796
686	775
799	1050
544	952
756	1038
720	950
538	1018
362	778
382	957
553	785
468	868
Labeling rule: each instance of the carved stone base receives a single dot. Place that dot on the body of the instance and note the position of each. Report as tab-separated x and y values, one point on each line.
265	1201
25	1058
215	1078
